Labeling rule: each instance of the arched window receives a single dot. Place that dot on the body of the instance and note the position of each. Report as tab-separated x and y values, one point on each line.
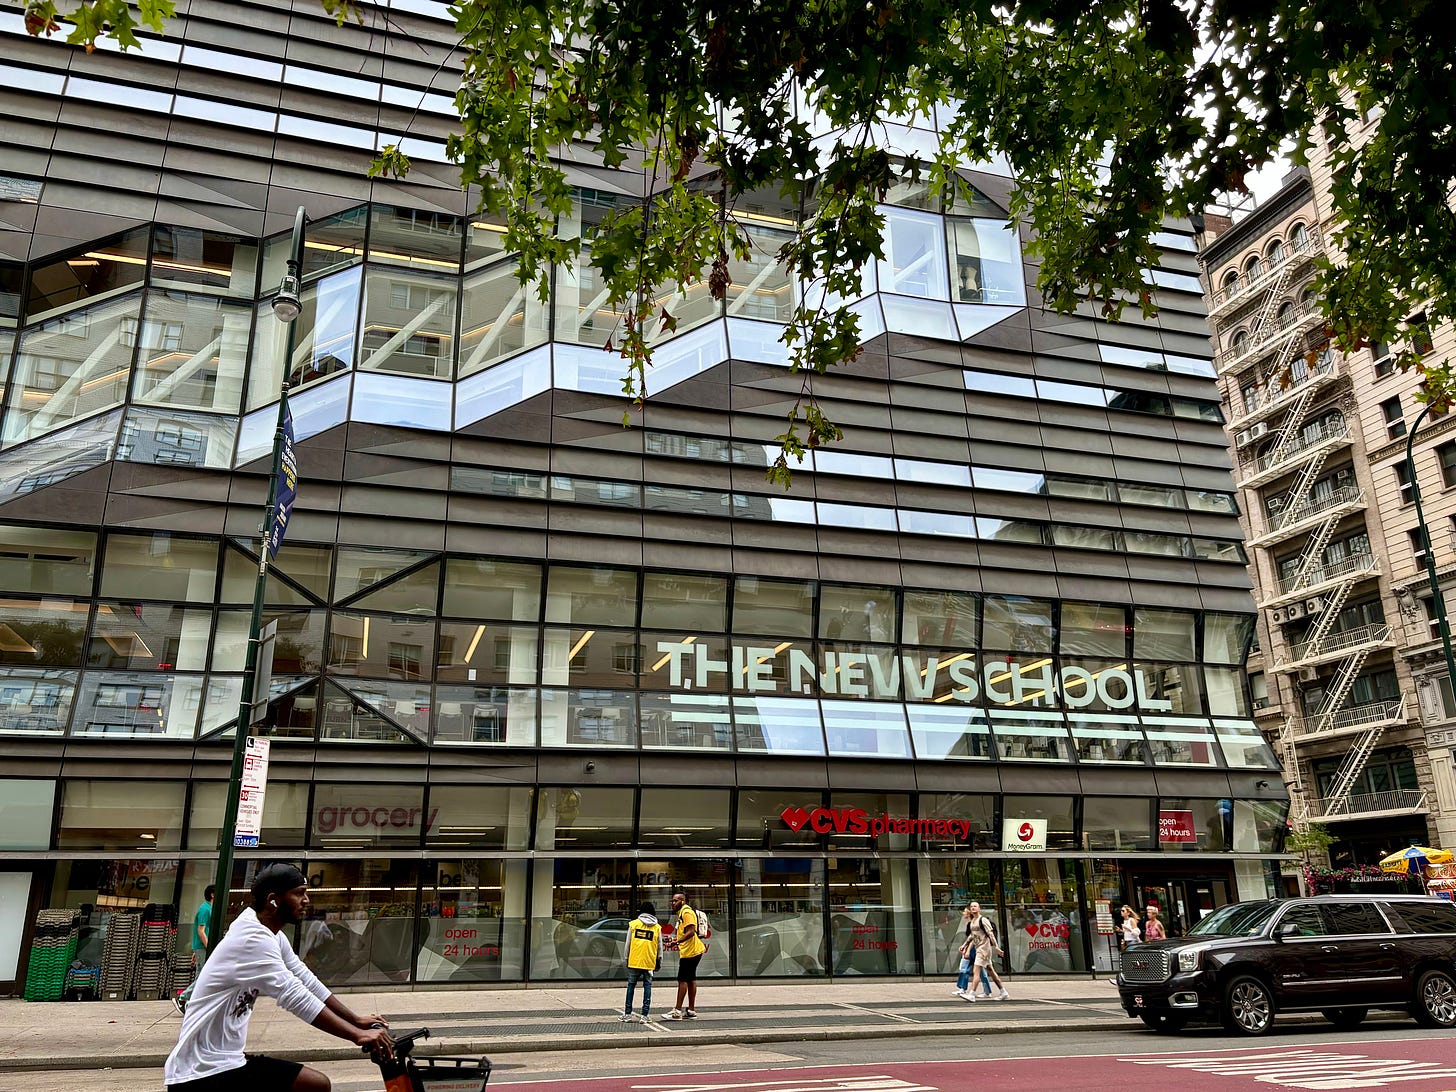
1239	340
1253	267
1274	252
1231	281
1299	236
1286	313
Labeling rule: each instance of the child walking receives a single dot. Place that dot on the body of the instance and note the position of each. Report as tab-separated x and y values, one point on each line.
644	955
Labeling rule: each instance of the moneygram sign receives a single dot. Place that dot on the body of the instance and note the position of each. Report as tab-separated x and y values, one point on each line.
1023	836
859	821
910	676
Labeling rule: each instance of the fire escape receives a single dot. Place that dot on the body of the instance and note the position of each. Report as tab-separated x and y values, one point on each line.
1293	372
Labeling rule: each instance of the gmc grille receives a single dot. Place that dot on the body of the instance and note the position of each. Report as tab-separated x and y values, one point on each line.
1155	966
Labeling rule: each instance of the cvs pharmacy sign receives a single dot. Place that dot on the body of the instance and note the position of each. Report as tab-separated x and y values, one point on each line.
859	821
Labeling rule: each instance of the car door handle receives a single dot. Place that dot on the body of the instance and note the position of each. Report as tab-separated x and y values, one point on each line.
1329	947
1387	947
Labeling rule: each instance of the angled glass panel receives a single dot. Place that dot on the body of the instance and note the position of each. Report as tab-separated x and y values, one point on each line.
409	323
58	456
134	636
36	632
322	338
159	566
486	588
593	595
485	714
406	704
583	313
174	438
1213	549
240	577
759	286
413	238
362	567
1107	738
855	729
588	717
194	258
220	703
785	726
71	367
1178	741
381	646
914	261
193	352
116	703
349	716
507	384
1202	500
986	255
1243	745
416	592
499	317
46	560
949	730
967	200
1030	736
102	271
925	318
692	722
35	699
293	708
298	640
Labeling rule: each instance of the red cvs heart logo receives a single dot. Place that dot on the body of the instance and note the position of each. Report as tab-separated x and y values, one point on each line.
1031	929
1025	831
794	818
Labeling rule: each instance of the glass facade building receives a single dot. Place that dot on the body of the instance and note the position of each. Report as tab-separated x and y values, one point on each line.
530	667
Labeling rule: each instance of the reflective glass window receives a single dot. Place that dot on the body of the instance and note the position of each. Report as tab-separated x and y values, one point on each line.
37	632
583	313
132	636
1202	500
684	818
1010	530
499	317
1017	623
285	813
987	259
362	926
684	601
193	352
1027	735
143	815
485	714
175	438
1172	688
914	262
1056	810
1227	691
913	522
949	730
104	270
1226	637
682	722
584	817
1078	394
363	567
1093	629
298	640
1083	538
1243	745
1080	488
159	566
1176	741
857	612
309	565
1146	542
1009	481
862	729
194	258
361	814
35	699
760	287
26	809
486	588
1211	822
480	816
1103	738
487	653
1161	496
415	238
322	338
1097	685
704	663
409	323
416	592
58	456
381	646
1117	823
761	823
940	618
778	726
1260	827
1163	634
779	919
46	560
773	607
591	596
919	470
976	810
588	717
71	367
590	657
114	703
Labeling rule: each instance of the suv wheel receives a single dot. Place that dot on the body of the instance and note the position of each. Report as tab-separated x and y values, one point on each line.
1248	1008
1164	1021
1345	1019
1435	1003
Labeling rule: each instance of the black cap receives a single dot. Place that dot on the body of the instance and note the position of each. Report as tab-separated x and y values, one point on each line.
276	879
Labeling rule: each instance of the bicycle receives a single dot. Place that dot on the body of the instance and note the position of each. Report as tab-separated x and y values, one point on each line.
405	1073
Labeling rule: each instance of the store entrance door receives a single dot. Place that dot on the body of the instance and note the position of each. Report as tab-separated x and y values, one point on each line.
1182	901
16	913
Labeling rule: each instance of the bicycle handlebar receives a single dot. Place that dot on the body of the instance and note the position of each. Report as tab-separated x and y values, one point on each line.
404	1041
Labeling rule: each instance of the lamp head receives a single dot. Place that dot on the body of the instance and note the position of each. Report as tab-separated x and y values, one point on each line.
286	304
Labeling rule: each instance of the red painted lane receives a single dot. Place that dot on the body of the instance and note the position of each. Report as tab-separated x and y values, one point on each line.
1412	1065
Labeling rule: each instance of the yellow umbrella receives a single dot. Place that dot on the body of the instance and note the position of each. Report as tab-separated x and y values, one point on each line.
1415	859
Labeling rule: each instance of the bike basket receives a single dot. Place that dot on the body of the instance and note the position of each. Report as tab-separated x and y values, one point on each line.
442	1074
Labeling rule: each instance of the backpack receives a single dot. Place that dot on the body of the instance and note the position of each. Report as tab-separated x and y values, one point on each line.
705	931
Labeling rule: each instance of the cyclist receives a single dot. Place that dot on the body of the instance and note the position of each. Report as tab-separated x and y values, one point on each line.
255	958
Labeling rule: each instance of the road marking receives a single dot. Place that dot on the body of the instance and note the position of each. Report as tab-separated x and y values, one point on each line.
829	1084
1307	1068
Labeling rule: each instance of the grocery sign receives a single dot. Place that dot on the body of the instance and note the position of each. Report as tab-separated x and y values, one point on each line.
1023	836
1176	826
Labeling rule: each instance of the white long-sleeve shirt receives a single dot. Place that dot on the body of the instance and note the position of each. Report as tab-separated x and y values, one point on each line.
250	960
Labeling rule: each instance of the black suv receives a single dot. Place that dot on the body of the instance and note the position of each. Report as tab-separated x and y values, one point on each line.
1341	955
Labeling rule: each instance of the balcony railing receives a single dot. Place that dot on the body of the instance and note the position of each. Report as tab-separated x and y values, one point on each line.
1332	643
1296	513
1270	334
1354	716
1353	565
1367	804
1273	463
1245	286
1271	399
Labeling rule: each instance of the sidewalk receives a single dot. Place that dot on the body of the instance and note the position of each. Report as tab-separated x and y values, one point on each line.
139	1034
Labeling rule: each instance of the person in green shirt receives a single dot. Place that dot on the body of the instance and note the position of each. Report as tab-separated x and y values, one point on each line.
200	926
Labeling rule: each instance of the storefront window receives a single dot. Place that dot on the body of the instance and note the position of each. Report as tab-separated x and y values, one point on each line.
1103	897
41	560
974	812
111	886
684	819
1117	822
1056	810
485	714
947	886
1192	825
1260	826
361	921
285	814
1043	927
592	904
158	566
42	631
871	917
940	618
949	731
686	722
586	817
480	816
118	815
767	818
26	807
780	918
776	608
358	815
588	718
473	928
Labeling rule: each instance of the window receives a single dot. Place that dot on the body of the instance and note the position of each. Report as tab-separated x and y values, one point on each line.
1403	480
1394	418
1253	267
1354	919
1275	251
1418	545
1420	333
1299	236
1446	456
1384	361
1231	282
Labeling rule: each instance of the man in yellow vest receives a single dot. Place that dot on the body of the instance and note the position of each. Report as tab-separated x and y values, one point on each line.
644	955
690	949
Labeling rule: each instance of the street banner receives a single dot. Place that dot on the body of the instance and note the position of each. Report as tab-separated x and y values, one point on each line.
250	798
287	487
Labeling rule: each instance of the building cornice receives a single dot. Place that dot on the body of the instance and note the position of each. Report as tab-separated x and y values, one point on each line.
1297	190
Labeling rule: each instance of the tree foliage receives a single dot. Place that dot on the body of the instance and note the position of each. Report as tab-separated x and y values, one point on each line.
1111	115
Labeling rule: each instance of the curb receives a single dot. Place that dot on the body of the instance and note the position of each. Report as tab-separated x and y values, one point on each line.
534	1044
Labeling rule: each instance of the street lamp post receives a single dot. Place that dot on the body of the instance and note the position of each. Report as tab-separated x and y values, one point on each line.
286	308
1438	602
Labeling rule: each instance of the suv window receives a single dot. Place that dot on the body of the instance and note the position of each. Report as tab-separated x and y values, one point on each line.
1354	919
1422	917
1306	920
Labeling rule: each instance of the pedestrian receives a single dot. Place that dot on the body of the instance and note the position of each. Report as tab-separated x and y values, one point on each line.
1154	929
644	956
968	955
200	926
987	948
1131	932
690	949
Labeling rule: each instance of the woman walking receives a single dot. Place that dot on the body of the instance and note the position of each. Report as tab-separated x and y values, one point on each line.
1131	931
